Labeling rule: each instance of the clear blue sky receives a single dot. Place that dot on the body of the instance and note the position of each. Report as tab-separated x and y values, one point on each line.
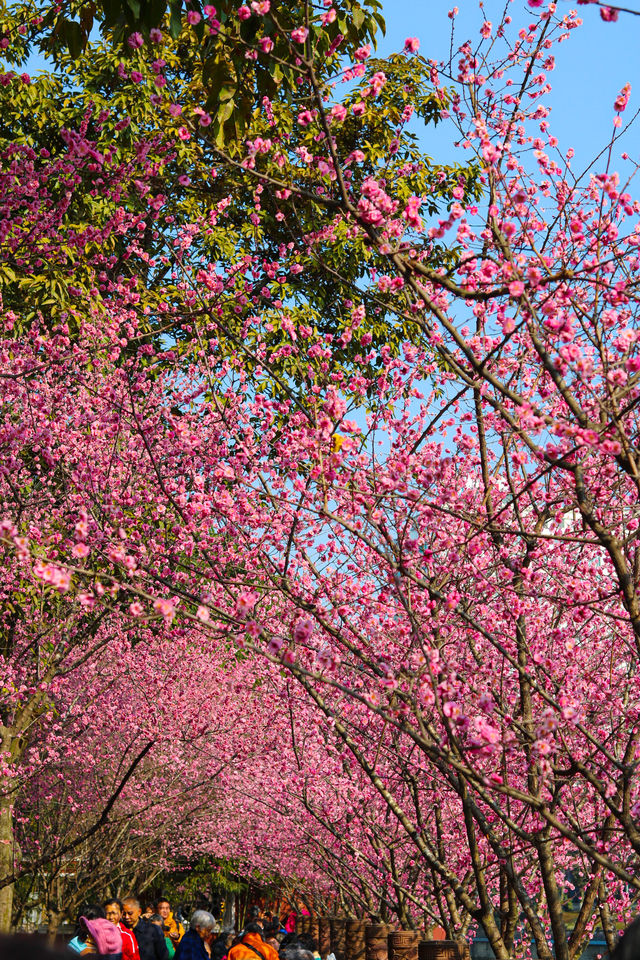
591	66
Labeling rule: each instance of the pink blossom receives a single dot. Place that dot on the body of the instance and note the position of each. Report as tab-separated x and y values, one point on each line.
244	12
452	600
411	212
245	603
378	81
275	646
58	578
165	608
193	17
453	711
265	44
303	630
155	35
623	98
362	53
412	44
135	40
609	14
490	152
299	35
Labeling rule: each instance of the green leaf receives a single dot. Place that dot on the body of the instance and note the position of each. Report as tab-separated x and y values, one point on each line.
357	17
226	110
175	19
74	38
154	12
112	10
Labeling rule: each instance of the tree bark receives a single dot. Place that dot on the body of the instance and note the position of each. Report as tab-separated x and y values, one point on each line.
6	862
53	922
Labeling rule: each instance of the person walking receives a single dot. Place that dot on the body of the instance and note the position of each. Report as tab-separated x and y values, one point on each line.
252	945
172	927
79	944
103	937
151	945
113	913
196	943
270	932
157	919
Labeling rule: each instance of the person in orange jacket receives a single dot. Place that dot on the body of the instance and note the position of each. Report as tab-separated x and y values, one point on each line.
252	946
171	927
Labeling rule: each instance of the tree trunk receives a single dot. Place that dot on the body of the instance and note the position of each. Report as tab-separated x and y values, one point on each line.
6	863
53	922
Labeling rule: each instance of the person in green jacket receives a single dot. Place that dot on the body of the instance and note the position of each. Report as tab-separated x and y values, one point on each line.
159	922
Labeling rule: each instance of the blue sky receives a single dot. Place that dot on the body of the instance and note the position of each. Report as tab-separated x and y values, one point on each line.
592	66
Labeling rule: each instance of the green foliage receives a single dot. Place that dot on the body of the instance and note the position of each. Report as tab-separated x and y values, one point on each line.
206	883
233	85
296	259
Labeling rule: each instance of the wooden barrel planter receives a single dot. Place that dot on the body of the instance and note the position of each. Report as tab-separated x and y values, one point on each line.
324	936
443	950
338	936
403	945
354	940
375	941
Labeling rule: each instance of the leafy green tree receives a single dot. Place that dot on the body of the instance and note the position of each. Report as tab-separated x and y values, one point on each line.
277	225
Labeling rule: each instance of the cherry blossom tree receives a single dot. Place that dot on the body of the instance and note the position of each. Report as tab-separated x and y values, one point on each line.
435	542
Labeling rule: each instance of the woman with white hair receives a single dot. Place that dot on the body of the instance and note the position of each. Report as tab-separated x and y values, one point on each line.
196	943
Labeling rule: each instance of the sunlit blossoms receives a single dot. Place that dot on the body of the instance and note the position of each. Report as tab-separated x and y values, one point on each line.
320	483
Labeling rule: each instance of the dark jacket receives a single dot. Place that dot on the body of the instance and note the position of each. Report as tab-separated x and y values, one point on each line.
191	947
150	941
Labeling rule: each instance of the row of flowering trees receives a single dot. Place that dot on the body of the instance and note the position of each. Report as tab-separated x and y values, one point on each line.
320	482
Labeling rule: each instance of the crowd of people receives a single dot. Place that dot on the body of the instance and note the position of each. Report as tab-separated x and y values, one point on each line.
121	930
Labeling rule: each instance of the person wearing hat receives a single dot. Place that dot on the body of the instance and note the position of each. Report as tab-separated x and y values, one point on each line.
102	938
79	944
